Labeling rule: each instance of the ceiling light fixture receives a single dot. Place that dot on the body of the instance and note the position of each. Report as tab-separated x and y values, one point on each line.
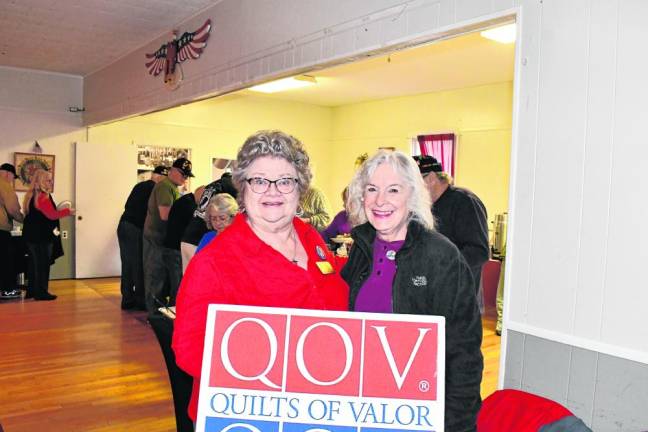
285	84
504	34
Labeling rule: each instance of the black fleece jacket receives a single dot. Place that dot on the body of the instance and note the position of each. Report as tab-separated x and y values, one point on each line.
433	278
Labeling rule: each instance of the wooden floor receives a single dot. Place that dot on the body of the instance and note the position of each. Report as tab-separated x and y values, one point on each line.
79	363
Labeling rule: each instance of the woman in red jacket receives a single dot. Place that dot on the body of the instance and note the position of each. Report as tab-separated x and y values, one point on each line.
40	231
266	257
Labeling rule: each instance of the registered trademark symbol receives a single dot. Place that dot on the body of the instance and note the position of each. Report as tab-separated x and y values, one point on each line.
424	386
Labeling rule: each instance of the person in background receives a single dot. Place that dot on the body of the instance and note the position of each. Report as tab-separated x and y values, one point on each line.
129	235
197	228
400	264
181	212
266	257
41	231
460	215
340	224
159	205
9	211
315	209
220	212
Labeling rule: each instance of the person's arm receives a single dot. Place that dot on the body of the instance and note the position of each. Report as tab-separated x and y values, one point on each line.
45	206
318	215
165	199
164	212
464	361
472	232
334	228
204	241
12	205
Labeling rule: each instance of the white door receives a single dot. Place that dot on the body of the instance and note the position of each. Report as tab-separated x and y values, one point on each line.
105	175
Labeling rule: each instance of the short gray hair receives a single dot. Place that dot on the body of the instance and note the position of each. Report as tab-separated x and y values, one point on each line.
222	202
418	204
272	143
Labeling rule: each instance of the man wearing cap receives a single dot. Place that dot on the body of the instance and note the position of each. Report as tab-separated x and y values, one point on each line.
459	215
197	227
155	229
129	234
9	211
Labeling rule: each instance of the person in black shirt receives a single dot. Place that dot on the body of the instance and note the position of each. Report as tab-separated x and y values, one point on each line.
197	227
180	214
129	235
460	216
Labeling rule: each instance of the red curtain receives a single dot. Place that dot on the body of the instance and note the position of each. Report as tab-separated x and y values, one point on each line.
442	147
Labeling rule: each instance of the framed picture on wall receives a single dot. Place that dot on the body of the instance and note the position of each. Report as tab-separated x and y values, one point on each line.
148	157
27	164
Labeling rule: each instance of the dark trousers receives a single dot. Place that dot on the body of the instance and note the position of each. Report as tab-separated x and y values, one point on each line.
156	285
38	269
132	264
173	264
7	262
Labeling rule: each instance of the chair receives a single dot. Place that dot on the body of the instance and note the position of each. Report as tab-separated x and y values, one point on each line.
181	382
489	279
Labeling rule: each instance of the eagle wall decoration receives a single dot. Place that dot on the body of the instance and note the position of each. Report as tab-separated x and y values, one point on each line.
174	52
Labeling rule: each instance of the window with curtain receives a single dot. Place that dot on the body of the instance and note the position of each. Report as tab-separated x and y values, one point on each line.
442	147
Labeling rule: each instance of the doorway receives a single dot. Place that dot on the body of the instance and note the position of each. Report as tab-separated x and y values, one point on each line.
464	84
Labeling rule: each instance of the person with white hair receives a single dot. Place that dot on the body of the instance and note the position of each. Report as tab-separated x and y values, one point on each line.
219	215
400	264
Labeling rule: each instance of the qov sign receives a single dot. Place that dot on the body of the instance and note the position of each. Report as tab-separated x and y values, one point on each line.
267	369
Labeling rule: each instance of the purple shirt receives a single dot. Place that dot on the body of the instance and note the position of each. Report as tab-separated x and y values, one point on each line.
340	225
376	293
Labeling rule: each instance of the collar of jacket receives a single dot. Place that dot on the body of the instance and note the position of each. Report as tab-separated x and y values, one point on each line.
365	234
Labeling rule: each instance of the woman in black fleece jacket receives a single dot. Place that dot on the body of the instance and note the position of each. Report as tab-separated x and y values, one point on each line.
389	205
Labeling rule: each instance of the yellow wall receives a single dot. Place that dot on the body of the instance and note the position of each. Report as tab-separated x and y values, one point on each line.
480	116
334	137
218	127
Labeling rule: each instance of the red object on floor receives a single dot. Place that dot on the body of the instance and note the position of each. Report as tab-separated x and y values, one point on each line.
490	279
515	410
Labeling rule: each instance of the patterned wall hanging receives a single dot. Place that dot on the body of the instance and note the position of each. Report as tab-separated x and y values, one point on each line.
169	56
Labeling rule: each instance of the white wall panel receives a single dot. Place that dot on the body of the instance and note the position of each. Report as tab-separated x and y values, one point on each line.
626	296
447	13
523	158
601	73
469	9
559	165
423	18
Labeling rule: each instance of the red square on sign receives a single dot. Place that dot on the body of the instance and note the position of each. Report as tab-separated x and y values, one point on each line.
248	351
400	360
324	356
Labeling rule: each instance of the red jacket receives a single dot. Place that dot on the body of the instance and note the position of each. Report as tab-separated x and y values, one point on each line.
518	411
238	268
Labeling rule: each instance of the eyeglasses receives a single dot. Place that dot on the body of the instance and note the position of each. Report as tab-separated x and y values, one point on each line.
261	185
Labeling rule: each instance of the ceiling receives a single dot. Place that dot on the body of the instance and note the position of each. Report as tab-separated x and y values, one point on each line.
465	61
81	36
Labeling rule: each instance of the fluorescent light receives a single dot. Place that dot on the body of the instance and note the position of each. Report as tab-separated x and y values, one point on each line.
285	84
503	34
